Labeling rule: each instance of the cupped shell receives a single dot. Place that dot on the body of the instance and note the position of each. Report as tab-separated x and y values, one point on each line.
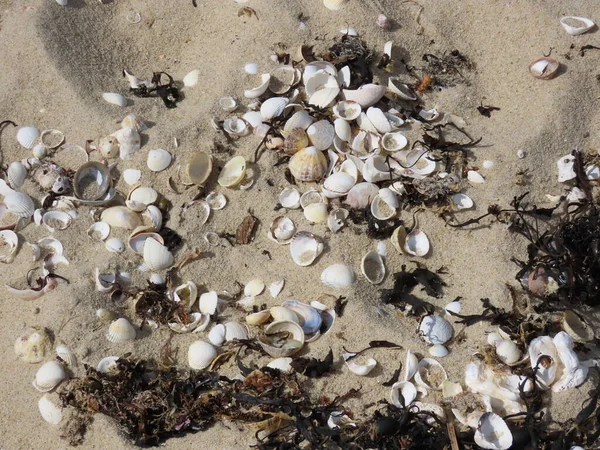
290	198
56	220
200	355
338	276
157	257
309	164
493	433
347	110
9	244
544	68
121	330
430	374
373	267
158	160
310	318
366	95
282	230
99	231
282	338
199	168
305	247
49	376
233	172
121	217
261	89
584	25
403	394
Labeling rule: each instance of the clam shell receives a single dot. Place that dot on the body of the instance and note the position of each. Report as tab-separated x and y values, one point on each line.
435	329
158	159
403	394
52	138
155	216
282	230
186	293
305	247
199	168
143	194
462	201
9	244
254	118
129	142
335	5
19	204
339	183
33	347
437	350
261	89
507	351
192	78
254	287
157	257
235	330
108	364
28	136
121	217
430	371
228	104
454	307
195	322
209	302
49	376
361	195
576	327
337	219
344	76
236	126
394	141
321	134
492	432
216	200
56	220
309	164
120	331
475	177
410	365
310	318
16	174
216	336
379	120
356	368
115	245
233	172
372	267
366	95
296	140
417	243
380	209
290	198
316	67
282	338
115	99
282	364
309	197
543	351
258	318
91	181
338	276
300	119
586	25
316	213
49	410
200	355
279	313
544	68
66	355
566	168
342	129
376	169
283	78
323	98
347	110
401	89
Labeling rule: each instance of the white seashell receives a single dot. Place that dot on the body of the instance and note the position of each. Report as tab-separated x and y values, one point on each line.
158	159
139	236
282	230
258	318
301	119
544	68
380	209
121	217
344	76
281	313
66	355
254	118
451	389
209	302
439	351
228	104
310	318
235	330
273	107
403	394
411	365
359	369
395	121
216	200
349	31
543	351
9	244
430	371
389	197
290	198
566	169
475	177
276	287
366	95
16	174
36	250
120	331
338	276
282	338
313	68
365	123
342	129
305	247
155	216
507	351
261	89
585	25
104	314
361	195
19	204
115	99
462	201
417	243
108	364
394	141
192	78
133	121
282	364
454	307
254	288
27	136
233	172
372	267
186	293
335	5
115	245
49	376
216	336
39	151
157	257
401	89
132	176
337	219
236	126
49	411
56	220
251	68
200	355
309	164
493	433
321	134
129	142
157	279
347	110
435	329
195	322
376	169
323	98
339	183
379	120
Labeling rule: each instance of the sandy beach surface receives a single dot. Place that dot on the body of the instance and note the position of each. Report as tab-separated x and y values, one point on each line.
57	61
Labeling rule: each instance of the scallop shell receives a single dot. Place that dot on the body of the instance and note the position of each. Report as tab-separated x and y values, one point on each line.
66	355
56	220
129	142
309	164
310	318
335	5
9	244
33	347
91	181
366	95
216	200
28	136
261	89
347	110
282	338
316	213
200	355
435	329
403	394
586	25
296	140
321	134
544	68
120	331
394	141
493	433
158	159
157	257
233	172
19	204
305	247
235	330
290	198
192	78
49	376
372	267
49	410
121	217
282	230
199	168
16	174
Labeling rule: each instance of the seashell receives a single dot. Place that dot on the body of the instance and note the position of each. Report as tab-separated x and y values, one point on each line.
309	164
235	330
338	276
199	168
216	200
31	294
410	365
120	331
576	327
104	314
254	288
157	257
49	376
290	198
380	209
28	136
416	243
107	365
256	92
99	231
324	97
316	67
305	247
157	279
335	5
33	347
300	119
132	176
544	68
121	217
115	99
251	68
462	201
337	219
507	351
366	95
347	110
186	294
492	432
395	121
216	336
349	32
282	338
573	373
338	420
282	364
321	134
39	151
361	195
435	329
66	355
451	389
475	177
9	244
20	204
309	197
258	318
52	138
133	121
439	351
194	321
16	174
430	374
310	318
155	216
566	169
49	411
365	124
276	287
401	89
453	307
403	394
158	159
280	313
319	81
236	126
91	181
192	78
586	25
209	302
228	104
342	129
129	142
376	169
56	220
200	355
344	76
379	120
394	141
339	183
108	146
296	140
233	172
543	355
282	230
372	267
115	245
359	369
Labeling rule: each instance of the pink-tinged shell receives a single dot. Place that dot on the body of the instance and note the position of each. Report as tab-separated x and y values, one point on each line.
309	164
361	195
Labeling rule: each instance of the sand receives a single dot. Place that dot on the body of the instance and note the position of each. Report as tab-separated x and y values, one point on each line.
57	62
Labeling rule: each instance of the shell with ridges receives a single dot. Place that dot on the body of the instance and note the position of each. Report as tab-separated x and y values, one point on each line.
19	204
309	164
321	134
28	136
120	331
49	410
16	174
66	355
157	257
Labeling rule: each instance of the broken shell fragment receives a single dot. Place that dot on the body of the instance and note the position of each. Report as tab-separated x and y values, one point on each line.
120	331
200	355
576	327
373	267
9	244
115	99
194	321
584	25
33	347
366	95
49	376
276	287
305	247
356	368
493	433
216	200
186	294
261	89
233	172
435	329
338	276
430	374
566	168
158	159
192	78
403	394
282	338
543	355
544	68
282	230
199	168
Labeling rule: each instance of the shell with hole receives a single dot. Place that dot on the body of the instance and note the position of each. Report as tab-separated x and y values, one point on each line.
282	338
305	248
308	164
337	219
34	346
201	355
50	375
108	146
373	267
121	217
233	172
338	276
435	329
120	330
543	355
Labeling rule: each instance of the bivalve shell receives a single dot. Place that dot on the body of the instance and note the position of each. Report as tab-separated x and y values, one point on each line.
372	267
394	141
493	433
300	119
129	142
430	374
379	120
49	410
356	368
347	110
115	99
108	146
199	168
339	183
99	231
115	245
107	365
209	302
282	364
366	95
254	287
66	355
192	78
216	336
120	331
296	140
121	217
437	350
233	172
321	134
401	89
282	230
228	104
56	220
216	200
9	244
338	276
186	294
507	351
258	318
91	181
309	164
381	209
157	257
28	136
282	338
305	247
158	159
49	376
435	329
462	201
16	174
290	198
361	195
261	89
310	318
235	330
576	327
335	5
200	355
584	25
33	347
544	68
403	394
19	204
